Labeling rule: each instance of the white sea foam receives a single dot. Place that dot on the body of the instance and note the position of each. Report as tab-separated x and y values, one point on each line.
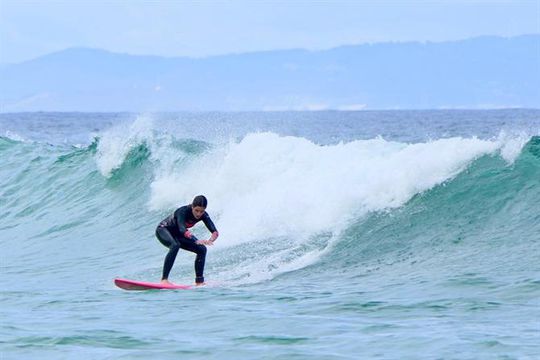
268	185
116	142
14	136
511	145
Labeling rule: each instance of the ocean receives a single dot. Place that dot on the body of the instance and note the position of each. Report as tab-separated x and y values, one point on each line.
343	235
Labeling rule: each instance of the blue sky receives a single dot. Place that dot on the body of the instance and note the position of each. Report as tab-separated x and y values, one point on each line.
29	29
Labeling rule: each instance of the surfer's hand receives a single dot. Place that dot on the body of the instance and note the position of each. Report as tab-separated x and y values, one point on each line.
204	242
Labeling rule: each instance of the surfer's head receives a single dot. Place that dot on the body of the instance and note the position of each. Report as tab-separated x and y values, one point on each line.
198	206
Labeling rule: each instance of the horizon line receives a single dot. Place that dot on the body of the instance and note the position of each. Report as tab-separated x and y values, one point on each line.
263	111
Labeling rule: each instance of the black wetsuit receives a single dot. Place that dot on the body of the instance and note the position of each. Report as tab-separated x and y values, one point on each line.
171	233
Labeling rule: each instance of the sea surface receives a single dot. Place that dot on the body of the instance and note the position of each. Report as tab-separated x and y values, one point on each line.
344	235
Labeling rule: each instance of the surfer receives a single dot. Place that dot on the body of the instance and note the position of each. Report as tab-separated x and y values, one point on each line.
173	232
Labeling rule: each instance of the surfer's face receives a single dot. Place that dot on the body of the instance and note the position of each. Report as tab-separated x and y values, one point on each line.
198	211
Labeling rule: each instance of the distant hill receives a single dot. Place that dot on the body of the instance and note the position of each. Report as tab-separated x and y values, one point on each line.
484	72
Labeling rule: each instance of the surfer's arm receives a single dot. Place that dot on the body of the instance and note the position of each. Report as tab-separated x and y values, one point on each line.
181	221
210	226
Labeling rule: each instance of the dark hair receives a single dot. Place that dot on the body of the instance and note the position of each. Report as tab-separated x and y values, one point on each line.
200	200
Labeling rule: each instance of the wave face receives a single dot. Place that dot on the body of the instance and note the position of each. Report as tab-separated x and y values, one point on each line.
435	218
296	199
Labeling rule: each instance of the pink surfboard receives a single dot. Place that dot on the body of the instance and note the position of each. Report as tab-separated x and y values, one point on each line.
142	285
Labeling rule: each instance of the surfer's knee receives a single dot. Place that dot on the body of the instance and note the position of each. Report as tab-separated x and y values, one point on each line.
174	247
201	250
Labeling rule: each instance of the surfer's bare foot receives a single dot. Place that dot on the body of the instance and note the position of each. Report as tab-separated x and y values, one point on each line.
166	282
200	284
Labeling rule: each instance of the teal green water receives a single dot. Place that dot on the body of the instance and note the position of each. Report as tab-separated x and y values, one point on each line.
368	248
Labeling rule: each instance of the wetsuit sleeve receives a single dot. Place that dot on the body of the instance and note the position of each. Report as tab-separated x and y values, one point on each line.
209	223
180	216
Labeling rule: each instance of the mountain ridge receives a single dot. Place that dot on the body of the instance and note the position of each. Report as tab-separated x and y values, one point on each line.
480	72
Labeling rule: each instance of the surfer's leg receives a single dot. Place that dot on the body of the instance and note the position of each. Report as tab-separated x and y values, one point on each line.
165	237
200	250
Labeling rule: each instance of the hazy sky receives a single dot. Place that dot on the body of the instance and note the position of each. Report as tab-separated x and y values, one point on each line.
200	28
